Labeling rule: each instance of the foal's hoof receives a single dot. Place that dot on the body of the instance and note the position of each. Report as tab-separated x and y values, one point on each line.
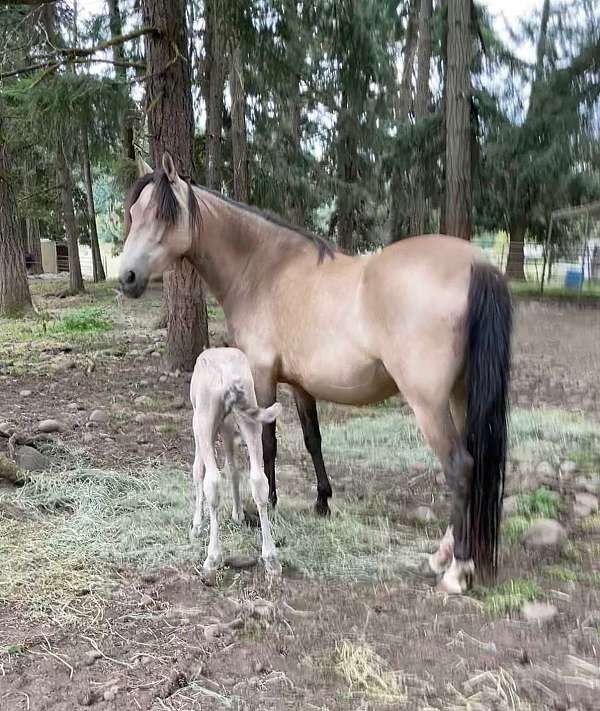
322	508
457	579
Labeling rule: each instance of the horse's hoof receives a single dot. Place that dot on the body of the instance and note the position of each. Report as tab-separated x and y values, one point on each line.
450	586
322	508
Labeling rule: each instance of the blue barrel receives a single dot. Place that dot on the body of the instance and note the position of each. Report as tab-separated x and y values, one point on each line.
573	279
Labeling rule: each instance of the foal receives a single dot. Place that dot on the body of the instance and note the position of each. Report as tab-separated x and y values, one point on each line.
222	390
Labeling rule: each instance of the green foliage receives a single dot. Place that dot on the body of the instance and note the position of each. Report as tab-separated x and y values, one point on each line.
508	597
87	319
542	502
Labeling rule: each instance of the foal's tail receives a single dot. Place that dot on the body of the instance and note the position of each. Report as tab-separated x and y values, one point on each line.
489	326
235	400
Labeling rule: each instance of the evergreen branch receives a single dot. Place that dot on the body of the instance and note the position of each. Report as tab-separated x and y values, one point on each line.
73	54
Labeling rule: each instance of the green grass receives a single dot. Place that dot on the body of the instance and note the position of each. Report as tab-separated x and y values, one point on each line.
514	527
542	503
508	597
532	289
83	320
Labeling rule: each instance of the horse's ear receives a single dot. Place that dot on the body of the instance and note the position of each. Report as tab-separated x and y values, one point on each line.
169	167
142	166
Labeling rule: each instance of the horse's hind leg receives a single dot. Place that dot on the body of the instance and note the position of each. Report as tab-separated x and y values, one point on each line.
228	434
439	429
307	412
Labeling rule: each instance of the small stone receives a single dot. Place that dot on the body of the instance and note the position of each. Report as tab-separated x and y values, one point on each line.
145	601
568	468
31	460
98	416
585	504
6	430
163	379
423	514
540	612
178	403
111	693
510	505
144	383
143	401
51	426
155	354
545	532
145	418
25	393
91	657
240	561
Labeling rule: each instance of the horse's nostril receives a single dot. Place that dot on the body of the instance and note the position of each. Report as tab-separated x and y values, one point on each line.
130	277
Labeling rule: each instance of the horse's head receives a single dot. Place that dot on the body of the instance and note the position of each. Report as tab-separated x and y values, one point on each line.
161	216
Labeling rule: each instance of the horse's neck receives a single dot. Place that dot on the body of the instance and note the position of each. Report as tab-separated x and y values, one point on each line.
228	248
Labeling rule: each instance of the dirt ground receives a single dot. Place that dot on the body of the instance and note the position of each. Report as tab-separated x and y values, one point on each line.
162	639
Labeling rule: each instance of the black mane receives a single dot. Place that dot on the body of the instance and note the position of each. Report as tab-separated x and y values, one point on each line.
167	209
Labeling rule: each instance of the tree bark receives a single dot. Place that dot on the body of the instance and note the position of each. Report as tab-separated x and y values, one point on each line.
296	203
70	223
458	121
34	244
15	297
97	266
515	265
215	67
418	217
171	127
347	174
399	183
116	30
238	126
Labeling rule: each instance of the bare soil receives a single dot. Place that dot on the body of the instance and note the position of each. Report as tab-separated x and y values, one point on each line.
162	640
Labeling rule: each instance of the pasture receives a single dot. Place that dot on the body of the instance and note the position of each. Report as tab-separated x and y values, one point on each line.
102	601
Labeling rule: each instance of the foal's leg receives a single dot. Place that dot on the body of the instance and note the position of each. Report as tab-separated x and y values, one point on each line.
205	427
260	488
440	431
198	485
266	393
228	435
307	412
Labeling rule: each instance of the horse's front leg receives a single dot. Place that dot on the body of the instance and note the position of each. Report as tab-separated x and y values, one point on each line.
265	387
307	412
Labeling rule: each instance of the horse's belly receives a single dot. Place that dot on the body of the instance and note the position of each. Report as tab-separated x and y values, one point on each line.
346	381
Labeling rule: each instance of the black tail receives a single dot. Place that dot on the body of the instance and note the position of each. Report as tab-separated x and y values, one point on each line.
489	326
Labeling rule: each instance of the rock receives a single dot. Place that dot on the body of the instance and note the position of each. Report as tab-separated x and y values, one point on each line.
155	354
25	393
591	484
144	383
111	693
98	416
145	418
540	612
143	401
51	426
545	532
163	379
510	505
568	468
585	504
545	472
10	471
240	561
31	460
178	403
6	430
423	514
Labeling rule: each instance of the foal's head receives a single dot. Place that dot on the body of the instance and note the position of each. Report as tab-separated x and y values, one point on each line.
161	217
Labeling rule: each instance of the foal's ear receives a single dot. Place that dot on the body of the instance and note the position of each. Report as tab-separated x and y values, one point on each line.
169	167
142	167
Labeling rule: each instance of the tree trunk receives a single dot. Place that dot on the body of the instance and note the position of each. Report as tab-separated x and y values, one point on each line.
347	175
98	268
296	202
399	183
422	102
238	126
458	121
116	30
34	244
515	265
215	66
70	223
15	296
171	127
444	58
